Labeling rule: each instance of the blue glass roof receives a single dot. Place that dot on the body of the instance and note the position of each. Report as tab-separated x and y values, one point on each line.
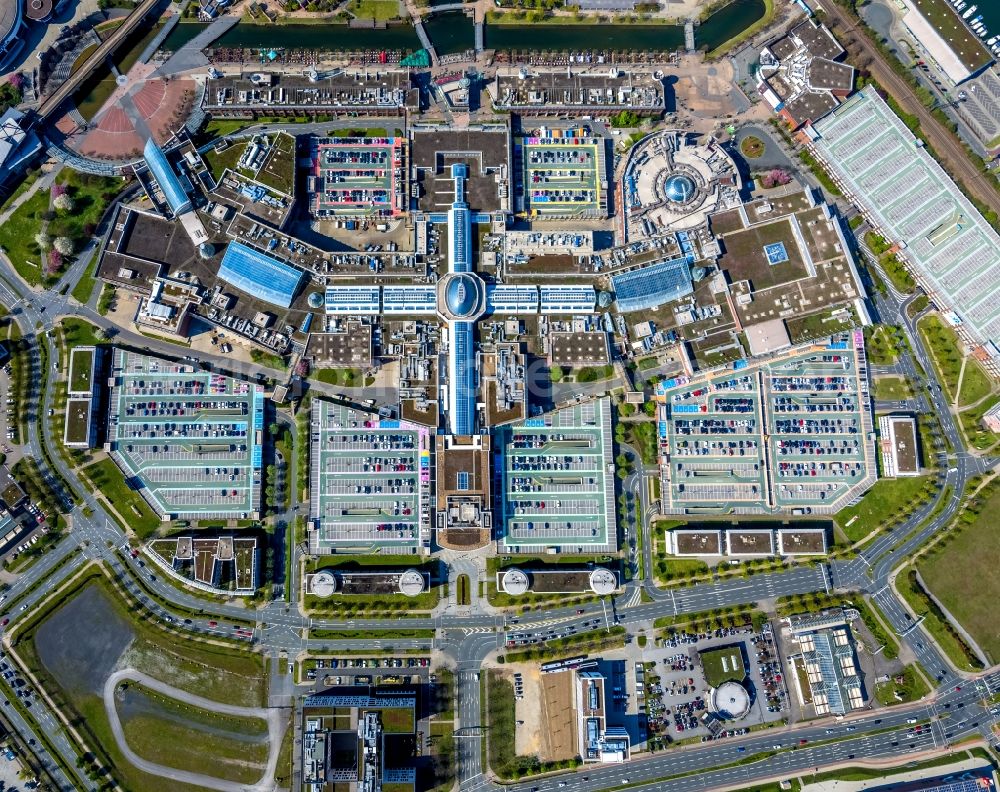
653	285
259	275
156	161
462	385
461	296
679	188
459	241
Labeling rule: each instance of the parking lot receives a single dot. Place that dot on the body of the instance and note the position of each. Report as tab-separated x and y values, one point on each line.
556	486
329	671
193	438
812	409
371	479
9	419
676	694
357	176
561	175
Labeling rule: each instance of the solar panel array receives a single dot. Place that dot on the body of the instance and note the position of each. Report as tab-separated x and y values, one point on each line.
654	285
259	275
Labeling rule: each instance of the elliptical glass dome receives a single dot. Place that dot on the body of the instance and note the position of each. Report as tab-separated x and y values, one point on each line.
461	295
679	188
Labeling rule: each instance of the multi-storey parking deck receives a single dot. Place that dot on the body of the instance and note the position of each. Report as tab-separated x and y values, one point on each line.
817	432
715	442
562	176
189	440
793	434
370	489
558	486
357	176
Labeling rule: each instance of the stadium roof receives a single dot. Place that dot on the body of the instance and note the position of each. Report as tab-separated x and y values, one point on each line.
912	200
654	285
259	275
156	161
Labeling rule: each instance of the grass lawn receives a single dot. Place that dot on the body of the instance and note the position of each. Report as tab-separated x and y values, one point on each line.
752	147
962	575
943	344
935	622
975	384
977	435
109	480
918	304
892	389
85	286
912	688
397	720
723	665
338	376
190	738
883	505
880	343
77	332
79	375
819	325
901	278
220	127
379	10
463	593
17	237
670	568
217	162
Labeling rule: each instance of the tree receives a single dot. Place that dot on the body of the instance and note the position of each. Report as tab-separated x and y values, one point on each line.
42	240
63	245
63	203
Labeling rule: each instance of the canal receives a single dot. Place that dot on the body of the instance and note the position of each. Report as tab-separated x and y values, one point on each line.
453	32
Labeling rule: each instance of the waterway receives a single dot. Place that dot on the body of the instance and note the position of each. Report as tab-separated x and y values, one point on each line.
453	32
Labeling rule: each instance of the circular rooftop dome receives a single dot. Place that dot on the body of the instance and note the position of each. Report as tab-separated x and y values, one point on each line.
514	582
462	295
315	300
323	584
603	581
679	188
38	10
206	250
411	583
731	700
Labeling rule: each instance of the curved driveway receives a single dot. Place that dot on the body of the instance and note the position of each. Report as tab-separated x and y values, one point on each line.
275	732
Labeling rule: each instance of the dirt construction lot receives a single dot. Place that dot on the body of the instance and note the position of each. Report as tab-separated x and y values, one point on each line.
546	731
